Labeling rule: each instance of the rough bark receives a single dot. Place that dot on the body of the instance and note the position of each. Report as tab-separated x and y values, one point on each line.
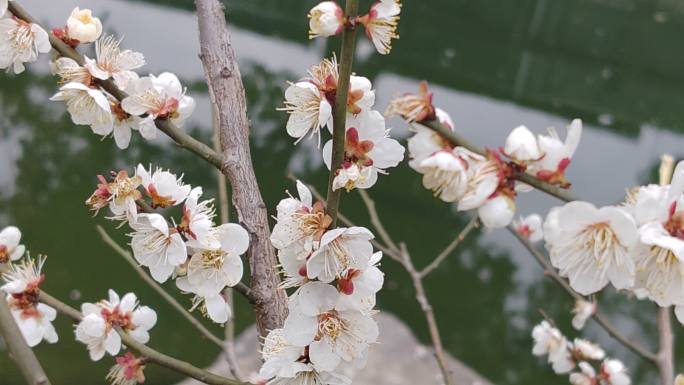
228	94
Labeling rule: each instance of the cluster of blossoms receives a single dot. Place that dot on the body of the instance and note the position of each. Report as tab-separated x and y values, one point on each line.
203	258
564	356
88	99
368	149
328	19
483	182
331	312
22	289
637	246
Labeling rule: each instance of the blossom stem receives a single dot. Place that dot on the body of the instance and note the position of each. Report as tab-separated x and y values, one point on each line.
457	140
340	108
18	349
148	353
597	316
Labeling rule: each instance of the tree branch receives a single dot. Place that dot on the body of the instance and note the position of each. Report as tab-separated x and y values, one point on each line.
227	91
19	351
150	354
457	140
474	223
340	108
598	317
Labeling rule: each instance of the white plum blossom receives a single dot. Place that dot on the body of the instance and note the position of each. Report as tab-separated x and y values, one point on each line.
97	329
482	183
87	106
197	222
83	26
111	62
592	246
659	260
521	145
530	227
287	364
368	150
586	350
326	19
10	248
160	96
615	372
214	306
497	212
33	318
358	286
210	270
3	7
331	335
587	376
308	108
163	187
128	370
583	310
549	341
426	143
124	194
21	42
340	249
69	71
157	246
300	226
447	172
556	154
381	24
361	97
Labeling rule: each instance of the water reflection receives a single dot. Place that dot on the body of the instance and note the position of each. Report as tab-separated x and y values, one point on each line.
612	62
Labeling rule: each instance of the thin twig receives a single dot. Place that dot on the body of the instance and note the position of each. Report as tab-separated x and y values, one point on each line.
157	288
376	222
340	108
457	140
150	354
597	316
19	351
450	247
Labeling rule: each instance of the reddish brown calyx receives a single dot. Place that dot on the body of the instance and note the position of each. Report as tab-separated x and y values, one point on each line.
4	254
356	150
556	177
184	227
506	173
345	285
118	112
158	201
115	318
675	222
132	366
63	35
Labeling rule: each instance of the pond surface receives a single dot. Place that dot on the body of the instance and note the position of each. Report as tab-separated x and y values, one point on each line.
617	64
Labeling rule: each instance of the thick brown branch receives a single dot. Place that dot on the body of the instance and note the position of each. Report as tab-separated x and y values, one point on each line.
19	351
227	91
457	140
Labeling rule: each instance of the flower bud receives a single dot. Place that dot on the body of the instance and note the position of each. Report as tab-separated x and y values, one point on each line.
497	212
521	145
326	19
82	26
